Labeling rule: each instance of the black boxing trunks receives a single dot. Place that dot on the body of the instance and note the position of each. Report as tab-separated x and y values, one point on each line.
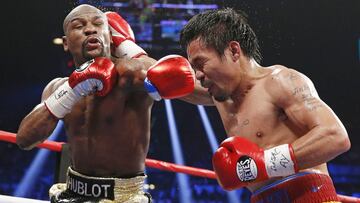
81	188
300	188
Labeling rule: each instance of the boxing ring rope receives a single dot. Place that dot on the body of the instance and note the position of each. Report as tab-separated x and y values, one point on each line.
152	163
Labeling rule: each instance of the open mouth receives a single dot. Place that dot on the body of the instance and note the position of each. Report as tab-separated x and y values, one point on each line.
92	43
205	84
209	89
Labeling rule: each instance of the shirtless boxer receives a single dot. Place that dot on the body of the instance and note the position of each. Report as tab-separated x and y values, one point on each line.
280	133
105	108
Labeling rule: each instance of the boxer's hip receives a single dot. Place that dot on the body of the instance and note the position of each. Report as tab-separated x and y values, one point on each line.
301	187
82	188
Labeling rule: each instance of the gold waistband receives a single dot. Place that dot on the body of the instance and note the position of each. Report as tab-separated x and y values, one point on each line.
124	188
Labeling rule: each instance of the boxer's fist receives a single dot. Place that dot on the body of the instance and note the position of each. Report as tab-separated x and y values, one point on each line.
123	37
170	77
95	76
239	162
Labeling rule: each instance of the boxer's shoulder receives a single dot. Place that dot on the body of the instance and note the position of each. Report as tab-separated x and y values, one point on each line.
282	78
279	71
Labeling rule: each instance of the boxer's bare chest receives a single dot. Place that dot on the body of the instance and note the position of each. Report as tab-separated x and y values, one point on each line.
108	113
255	117
107	133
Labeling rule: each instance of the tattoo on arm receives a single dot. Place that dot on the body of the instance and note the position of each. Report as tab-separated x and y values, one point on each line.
311	102
302	89
306	95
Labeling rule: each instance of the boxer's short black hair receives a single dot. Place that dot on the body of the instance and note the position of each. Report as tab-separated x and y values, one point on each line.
216	28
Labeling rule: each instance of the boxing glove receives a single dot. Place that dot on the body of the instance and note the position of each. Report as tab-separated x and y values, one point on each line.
239	162
95	76
170	77
123	37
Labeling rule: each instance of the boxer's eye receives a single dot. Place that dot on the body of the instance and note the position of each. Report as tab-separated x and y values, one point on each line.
198	66
77	26
99	23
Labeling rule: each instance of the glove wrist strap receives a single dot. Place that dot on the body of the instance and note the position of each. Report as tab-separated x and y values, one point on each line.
61	101
151	89
279	161
129	49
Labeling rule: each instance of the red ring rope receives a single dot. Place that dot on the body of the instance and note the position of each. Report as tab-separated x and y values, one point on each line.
152	163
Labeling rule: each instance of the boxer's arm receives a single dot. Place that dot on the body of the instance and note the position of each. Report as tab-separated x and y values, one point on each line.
133	71
326	136
39	123
179	80
200	96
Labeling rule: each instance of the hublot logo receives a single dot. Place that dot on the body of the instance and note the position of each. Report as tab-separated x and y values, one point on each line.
90	187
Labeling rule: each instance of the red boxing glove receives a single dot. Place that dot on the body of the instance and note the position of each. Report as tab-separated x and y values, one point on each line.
170	77
239	162
123	37
95	76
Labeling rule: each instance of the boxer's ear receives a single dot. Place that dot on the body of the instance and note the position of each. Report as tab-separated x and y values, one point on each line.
110	34
235	50
65	44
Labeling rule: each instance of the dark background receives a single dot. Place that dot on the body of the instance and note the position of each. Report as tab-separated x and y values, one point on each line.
319	38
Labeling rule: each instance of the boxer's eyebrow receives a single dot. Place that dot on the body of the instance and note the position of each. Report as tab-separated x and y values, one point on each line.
73	20
97	17
198	60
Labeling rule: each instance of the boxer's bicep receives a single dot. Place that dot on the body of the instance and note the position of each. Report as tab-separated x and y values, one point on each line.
305	108
300	100
307	113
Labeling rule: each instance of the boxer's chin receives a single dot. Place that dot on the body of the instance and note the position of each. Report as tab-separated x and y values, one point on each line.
221	98
218	95
90	54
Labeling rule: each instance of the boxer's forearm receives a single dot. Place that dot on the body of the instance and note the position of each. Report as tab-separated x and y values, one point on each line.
35	127
320	145
147	61
200	96
132	72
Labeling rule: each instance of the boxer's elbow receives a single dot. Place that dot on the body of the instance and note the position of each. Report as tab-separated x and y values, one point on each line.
22	143
345	143
25	147
340	139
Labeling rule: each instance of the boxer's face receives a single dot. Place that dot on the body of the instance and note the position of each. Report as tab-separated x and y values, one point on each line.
214	72
87	34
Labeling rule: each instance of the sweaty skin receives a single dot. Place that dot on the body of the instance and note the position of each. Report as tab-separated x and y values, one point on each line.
108	136
269	106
